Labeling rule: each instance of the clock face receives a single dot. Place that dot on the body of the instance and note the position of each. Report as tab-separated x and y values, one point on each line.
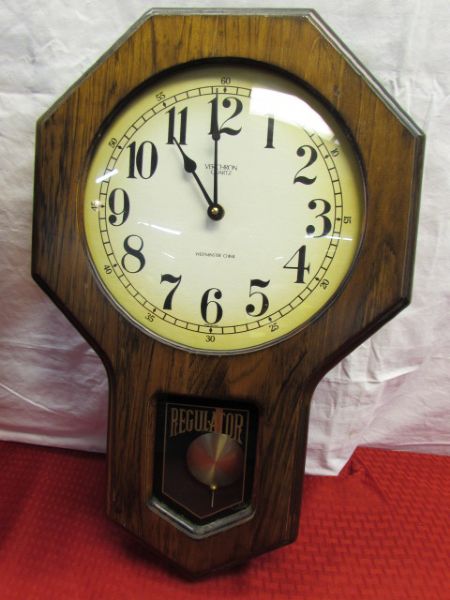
223	208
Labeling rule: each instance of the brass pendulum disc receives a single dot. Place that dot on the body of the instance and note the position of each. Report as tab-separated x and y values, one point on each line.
215	459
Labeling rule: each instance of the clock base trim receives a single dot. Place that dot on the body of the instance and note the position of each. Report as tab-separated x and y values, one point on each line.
199	532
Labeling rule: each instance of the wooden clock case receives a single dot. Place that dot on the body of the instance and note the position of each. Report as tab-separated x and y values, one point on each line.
278	380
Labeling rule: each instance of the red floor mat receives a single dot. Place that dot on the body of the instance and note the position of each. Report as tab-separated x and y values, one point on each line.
379	531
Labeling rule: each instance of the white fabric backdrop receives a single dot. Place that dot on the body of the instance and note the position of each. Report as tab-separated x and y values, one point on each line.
391	392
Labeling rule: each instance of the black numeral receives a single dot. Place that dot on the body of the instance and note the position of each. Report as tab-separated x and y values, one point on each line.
206	304
144	160
217	131
298	262
169	297
326	223
181	138
250	309
270	127
310	155
119	205
133	260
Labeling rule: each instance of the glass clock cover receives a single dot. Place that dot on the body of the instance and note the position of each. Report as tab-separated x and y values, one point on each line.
223	207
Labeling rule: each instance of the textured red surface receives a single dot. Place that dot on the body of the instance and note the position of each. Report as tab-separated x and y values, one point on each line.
379	531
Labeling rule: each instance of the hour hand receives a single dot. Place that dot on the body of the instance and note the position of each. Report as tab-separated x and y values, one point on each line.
215	211
190	166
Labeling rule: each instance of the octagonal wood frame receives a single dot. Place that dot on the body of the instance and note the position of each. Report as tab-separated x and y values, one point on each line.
280	379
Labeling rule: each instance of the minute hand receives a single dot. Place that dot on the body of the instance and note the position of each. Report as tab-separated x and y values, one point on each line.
215	134
190	166
216	138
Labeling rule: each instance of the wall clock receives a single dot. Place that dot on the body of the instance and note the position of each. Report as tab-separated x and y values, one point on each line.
225	206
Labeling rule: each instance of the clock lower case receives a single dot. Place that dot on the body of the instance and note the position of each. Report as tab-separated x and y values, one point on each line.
205	453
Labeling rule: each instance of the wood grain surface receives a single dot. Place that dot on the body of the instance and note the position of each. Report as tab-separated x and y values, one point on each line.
279	380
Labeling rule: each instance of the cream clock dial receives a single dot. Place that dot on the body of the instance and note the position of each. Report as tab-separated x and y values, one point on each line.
223	208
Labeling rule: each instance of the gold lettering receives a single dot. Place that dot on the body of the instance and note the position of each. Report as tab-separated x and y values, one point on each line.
238	426
234	423
218	420
229	420
173	421
182	421
189	419
198	420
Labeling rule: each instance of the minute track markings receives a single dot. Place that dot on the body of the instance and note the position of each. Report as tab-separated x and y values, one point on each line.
220	330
